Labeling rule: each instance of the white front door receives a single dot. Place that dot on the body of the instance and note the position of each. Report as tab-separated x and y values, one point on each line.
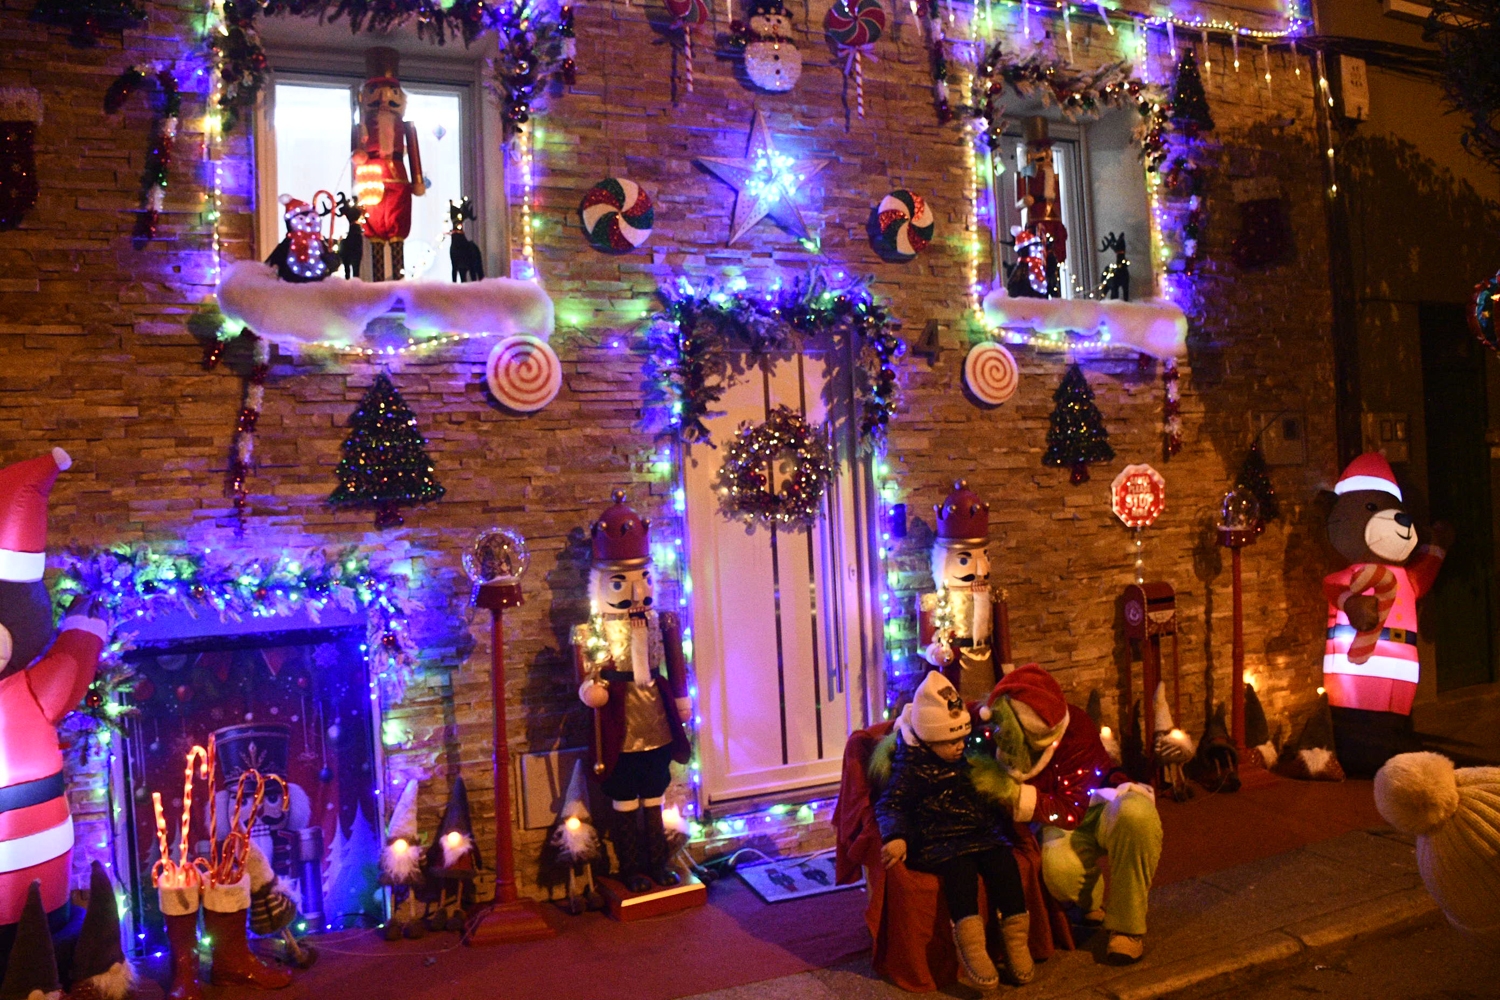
782	619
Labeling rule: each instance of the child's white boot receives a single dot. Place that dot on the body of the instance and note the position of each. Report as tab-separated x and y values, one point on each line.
968	936
1015	931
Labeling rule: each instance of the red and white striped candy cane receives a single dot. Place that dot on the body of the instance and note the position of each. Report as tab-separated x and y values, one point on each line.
1383	580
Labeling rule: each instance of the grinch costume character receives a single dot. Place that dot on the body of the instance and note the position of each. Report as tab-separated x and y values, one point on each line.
41	681
384	143
639	713
956	622
1086	807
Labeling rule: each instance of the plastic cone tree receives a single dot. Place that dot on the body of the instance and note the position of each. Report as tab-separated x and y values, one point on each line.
385	463
1076	436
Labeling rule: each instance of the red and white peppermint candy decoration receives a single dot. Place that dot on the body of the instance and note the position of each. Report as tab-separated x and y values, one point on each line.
991	373
688	12
523	373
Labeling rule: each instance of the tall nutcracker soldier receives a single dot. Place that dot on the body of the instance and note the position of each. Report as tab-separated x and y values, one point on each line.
41	680
956	622
384	142
638	713
1038	199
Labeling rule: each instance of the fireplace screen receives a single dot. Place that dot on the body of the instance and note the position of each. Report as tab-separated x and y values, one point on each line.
295	704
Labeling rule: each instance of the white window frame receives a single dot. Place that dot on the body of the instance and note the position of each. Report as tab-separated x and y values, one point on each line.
301	50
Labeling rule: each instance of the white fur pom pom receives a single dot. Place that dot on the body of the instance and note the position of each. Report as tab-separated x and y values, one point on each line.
1416	792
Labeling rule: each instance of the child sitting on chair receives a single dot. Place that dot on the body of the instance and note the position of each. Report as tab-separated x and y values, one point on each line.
934	817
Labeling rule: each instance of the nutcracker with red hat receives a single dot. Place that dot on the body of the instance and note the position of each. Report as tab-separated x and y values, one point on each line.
1370	662
620	655
384	144
956	625
43	676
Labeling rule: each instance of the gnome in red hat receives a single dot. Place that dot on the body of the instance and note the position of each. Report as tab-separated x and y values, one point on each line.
1086	807
41	681
956	621
638	713
1370	664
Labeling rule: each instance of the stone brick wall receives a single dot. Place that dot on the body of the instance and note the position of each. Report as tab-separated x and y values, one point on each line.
97	355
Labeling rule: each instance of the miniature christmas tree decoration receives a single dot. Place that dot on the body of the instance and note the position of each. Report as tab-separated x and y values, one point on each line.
1077	435
385	463
1190	114
1256	477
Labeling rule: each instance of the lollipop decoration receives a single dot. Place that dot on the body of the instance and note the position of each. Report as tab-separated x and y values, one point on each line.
853	32
524	373
904	223
617	214
991	373
685	15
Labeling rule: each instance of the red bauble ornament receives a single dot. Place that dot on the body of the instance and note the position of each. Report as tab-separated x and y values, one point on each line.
184	693
93	699
143	690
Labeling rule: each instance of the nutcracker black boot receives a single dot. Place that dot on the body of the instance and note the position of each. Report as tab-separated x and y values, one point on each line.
659	850
629	850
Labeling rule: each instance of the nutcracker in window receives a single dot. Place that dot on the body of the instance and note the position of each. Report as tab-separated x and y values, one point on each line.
387	163
1038	198
957	627
630	664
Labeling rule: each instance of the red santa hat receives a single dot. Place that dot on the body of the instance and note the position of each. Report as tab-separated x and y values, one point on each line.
621	536
1369	471
963	517
1037	701
24	489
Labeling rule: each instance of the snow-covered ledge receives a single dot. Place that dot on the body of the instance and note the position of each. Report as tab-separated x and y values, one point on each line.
335	312
1155	326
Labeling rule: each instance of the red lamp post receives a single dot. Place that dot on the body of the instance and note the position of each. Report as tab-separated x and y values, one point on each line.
1239	526
509	918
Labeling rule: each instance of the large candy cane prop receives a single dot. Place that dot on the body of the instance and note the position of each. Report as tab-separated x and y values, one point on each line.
1383	580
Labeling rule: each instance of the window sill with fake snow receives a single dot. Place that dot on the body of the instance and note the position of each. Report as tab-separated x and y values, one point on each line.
1155	326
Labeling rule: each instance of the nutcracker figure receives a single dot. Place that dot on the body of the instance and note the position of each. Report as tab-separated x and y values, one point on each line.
1038	199
956	622
638	712
43	676
384	142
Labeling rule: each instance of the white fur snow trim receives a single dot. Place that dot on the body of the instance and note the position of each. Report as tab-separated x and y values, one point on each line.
231	898
83	623
22	567
1153	326
117	983
337	311
258	868
1416	792
1025	804
178	902
63	459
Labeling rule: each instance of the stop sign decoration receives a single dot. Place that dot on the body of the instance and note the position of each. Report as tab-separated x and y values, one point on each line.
1138	495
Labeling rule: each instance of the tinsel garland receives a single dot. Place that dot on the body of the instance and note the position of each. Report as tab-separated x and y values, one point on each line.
937	55
536	43
1171	410
747	478
89	19
1076	93
242	63
163	141
692	337
136	583
242	451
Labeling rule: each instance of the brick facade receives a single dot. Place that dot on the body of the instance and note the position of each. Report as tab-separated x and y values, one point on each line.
97	355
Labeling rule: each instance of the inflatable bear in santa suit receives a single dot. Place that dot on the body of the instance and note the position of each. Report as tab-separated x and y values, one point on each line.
619	655
956	626
1370	664
41	681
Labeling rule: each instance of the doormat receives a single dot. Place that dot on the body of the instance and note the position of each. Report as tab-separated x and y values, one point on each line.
793	878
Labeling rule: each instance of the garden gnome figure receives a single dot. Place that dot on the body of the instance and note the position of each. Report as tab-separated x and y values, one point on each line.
1038	198
452	862
639	713
577	844
956	621
41	680
387	163
100	969
1370	664
401	866
31	972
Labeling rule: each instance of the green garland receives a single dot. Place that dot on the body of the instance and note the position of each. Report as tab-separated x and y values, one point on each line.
137	583
747	478
691	340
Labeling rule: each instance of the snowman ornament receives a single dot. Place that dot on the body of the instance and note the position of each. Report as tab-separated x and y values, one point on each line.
772	60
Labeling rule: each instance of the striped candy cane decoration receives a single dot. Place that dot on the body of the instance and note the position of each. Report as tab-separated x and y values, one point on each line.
687	57
1383	580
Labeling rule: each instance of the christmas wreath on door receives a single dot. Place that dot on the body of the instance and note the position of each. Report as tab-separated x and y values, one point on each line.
747	480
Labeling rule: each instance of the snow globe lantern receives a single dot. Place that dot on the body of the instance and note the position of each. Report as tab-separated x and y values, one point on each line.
1239	519
495	563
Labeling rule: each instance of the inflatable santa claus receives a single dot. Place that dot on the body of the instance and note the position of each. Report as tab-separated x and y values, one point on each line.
41	680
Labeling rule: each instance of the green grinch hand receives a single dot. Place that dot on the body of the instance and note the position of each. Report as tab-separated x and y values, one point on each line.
994	782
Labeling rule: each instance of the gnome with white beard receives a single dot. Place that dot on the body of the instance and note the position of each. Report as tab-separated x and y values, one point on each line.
401	866
956	621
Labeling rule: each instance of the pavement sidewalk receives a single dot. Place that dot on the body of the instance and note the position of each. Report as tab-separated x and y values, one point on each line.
1355	885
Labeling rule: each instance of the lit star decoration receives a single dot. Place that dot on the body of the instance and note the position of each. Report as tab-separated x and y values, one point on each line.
767	182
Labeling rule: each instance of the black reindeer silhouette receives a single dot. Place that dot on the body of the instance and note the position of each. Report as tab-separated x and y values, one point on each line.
1115	284
352	246
468	262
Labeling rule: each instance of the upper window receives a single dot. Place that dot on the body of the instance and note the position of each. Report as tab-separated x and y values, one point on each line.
307	124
